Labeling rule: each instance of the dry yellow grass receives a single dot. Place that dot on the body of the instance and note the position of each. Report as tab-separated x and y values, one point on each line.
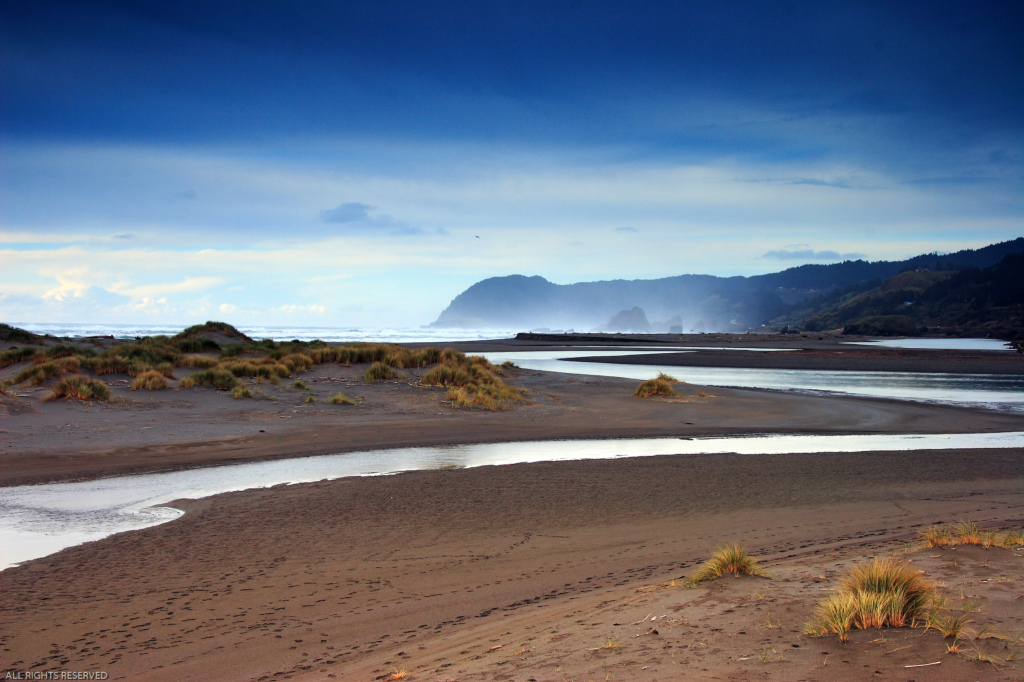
881	593
81	387
970	533
151	381
471	381
654	387
728	559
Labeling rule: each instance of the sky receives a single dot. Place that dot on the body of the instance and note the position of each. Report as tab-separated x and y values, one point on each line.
362	163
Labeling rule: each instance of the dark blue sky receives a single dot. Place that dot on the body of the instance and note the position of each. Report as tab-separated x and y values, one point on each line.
152	119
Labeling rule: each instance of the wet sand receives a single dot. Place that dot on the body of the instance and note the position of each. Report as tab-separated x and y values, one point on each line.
525	572
162	430
519	572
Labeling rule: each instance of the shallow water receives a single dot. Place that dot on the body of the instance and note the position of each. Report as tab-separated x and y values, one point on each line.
38	520
937	344
991	391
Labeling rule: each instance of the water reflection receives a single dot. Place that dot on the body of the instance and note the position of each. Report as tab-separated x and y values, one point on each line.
994	391
41	519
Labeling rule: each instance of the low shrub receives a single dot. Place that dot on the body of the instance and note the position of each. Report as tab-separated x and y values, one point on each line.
210	326
725	560
654	387
17	335
341	399
151	381
81	387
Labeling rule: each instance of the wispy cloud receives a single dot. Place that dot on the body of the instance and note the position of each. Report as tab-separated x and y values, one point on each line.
351	212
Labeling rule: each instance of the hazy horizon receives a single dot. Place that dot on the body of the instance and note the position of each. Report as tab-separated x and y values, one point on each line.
359	165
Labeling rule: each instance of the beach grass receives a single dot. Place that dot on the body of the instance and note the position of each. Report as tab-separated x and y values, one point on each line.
341	399
217	377
81	387
150	381
881	593
240	390
12	356
654	387
728	559
667	377
38	374
380	371
966	532
472	381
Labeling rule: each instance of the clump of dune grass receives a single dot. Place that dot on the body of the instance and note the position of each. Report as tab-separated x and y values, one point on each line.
38	374
725	560
396	675
471	381
13	356
970	533
300	385
702	394
81	387
341	399
654	387
379	372
151	381
217	377
310	398
667	377
882	593
240	390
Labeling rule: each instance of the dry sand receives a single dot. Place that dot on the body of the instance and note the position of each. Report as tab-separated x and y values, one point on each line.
515	573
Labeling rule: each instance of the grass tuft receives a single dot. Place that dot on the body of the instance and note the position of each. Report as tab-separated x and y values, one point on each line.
341	399
884	592
379	372
471	381
240	390
39	374
667	377
970	533
13	356
653	387
151	381
728	559
217	377
81	387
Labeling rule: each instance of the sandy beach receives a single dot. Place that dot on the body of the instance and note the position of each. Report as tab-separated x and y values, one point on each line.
524	572
548	571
